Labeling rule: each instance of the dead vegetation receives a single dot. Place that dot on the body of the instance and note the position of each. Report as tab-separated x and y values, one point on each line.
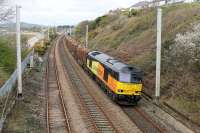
6	13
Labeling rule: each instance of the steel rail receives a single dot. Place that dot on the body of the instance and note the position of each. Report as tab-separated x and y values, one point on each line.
64	110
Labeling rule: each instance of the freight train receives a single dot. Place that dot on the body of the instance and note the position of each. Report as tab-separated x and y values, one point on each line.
122	82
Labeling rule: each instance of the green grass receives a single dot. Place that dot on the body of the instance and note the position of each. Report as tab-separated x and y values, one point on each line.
7	56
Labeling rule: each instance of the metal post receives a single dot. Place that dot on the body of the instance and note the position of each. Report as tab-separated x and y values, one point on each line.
32	60
48	34
86	37
158	52
18	40
70	31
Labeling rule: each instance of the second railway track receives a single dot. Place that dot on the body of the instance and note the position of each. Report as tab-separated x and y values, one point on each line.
142	120
57	116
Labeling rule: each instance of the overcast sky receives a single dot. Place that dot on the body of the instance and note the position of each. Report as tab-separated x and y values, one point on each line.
59	12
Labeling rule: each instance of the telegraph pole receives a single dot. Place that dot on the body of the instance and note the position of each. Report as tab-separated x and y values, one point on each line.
158	53
32	60
70	31
86	37
18	40
48	34
55	29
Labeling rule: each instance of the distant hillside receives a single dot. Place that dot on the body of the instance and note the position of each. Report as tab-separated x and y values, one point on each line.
131	37
24	26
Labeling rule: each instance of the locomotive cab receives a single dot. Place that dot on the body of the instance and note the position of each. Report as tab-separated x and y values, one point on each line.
129	85
123	82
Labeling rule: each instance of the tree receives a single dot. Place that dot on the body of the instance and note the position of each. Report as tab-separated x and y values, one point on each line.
6	13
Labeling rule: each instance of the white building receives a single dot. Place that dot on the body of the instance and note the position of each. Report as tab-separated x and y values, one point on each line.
140	5
175	1
156	3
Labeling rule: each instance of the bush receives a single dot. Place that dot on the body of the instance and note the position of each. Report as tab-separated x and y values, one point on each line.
133	12
100	20
41	48
7	56
186	50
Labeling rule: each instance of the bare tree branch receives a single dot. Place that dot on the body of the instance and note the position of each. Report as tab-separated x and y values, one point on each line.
6	13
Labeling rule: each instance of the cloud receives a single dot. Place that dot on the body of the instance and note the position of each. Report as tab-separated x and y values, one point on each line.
55	12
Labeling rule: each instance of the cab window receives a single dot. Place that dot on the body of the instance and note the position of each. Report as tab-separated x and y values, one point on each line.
128	78
135	79
115	75
105	76
124	77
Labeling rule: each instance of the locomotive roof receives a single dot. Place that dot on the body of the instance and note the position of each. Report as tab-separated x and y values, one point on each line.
113	63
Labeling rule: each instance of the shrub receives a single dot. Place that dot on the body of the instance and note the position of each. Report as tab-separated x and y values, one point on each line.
186	49
41	47
133	12
7	56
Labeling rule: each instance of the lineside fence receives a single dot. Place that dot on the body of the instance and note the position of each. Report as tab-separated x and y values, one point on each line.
10	83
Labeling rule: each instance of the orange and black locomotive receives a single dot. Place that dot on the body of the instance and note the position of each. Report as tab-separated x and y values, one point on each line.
122	82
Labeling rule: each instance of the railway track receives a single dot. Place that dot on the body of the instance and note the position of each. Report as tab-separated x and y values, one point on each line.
172	111
56	112
143	122
97	117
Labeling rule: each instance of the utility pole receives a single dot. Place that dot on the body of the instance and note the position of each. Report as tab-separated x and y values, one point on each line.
158	53
48	34
70	31
18	40
32	60
86	37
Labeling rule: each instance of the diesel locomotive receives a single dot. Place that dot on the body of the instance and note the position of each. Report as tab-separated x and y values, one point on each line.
122	82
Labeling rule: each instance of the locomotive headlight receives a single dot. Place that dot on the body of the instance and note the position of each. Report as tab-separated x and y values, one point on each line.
119	90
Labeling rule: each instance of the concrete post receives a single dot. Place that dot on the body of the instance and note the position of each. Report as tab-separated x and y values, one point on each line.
158	52
18	40
70	31
86	37
32	60
48	34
